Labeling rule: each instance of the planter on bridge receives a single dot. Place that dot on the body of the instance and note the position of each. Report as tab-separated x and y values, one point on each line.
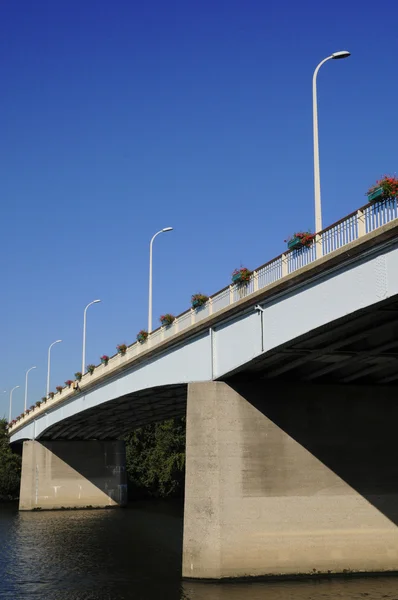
376	195
198	300
241	276
301	239
142	336
167	319
104	359
122	349
384	189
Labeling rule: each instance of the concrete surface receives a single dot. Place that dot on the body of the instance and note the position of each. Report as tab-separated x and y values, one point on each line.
72	474
284	480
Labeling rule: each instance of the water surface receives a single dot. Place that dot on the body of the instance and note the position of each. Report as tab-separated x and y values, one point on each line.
132	554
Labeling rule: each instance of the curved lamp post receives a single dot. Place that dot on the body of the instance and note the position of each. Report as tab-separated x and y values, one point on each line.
14	388
26	385
49	364
84	334
317	181
150	277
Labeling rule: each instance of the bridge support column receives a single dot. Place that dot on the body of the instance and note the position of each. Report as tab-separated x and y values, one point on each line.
290	480
72	474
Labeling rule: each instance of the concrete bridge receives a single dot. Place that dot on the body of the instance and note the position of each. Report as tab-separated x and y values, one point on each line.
288	386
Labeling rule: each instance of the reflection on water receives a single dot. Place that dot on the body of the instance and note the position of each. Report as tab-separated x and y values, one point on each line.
132	554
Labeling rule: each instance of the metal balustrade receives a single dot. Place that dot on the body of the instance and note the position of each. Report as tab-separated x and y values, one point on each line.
363	221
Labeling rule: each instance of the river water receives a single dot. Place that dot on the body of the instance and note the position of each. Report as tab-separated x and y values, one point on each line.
132	554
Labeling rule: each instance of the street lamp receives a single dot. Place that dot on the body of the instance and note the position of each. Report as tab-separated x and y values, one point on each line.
26	385
49	363
14	388
150	277
317	180
84	334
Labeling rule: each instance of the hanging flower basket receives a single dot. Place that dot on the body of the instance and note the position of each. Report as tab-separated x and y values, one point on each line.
33	407
142	336
167	319
90	369
44	399
104	359
301	239
38	403
122	349
51	395
59	389
68	382
198	300
384	189
78	376
241	276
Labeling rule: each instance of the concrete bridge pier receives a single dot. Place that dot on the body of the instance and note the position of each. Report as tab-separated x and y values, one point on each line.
286	480
73	474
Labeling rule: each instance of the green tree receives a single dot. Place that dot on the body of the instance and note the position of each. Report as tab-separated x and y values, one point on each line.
10	467
155	458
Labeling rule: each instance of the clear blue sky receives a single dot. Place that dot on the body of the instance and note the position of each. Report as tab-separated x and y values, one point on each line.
120	118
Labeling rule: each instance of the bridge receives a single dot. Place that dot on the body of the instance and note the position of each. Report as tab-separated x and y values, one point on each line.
288	385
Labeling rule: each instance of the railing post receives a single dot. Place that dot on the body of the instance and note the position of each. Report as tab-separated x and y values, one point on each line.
361	223
231	294
255	281
318	246
285	270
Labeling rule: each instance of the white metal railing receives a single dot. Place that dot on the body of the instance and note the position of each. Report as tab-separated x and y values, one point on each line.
352	227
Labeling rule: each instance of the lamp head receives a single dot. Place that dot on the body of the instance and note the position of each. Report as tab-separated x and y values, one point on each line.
341	54
167	229
96	301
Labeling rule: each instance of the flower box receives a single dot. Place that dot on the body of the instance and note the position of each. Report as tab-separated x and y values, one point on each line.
167	319
376	195
78	376
294	243
198	300
241	276
91	369
142	336
303	239
384	189
105	359
122	349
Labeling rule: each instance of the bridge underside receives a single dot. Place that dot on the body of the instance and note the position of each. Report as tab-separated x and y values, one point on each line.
361	348
118	417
